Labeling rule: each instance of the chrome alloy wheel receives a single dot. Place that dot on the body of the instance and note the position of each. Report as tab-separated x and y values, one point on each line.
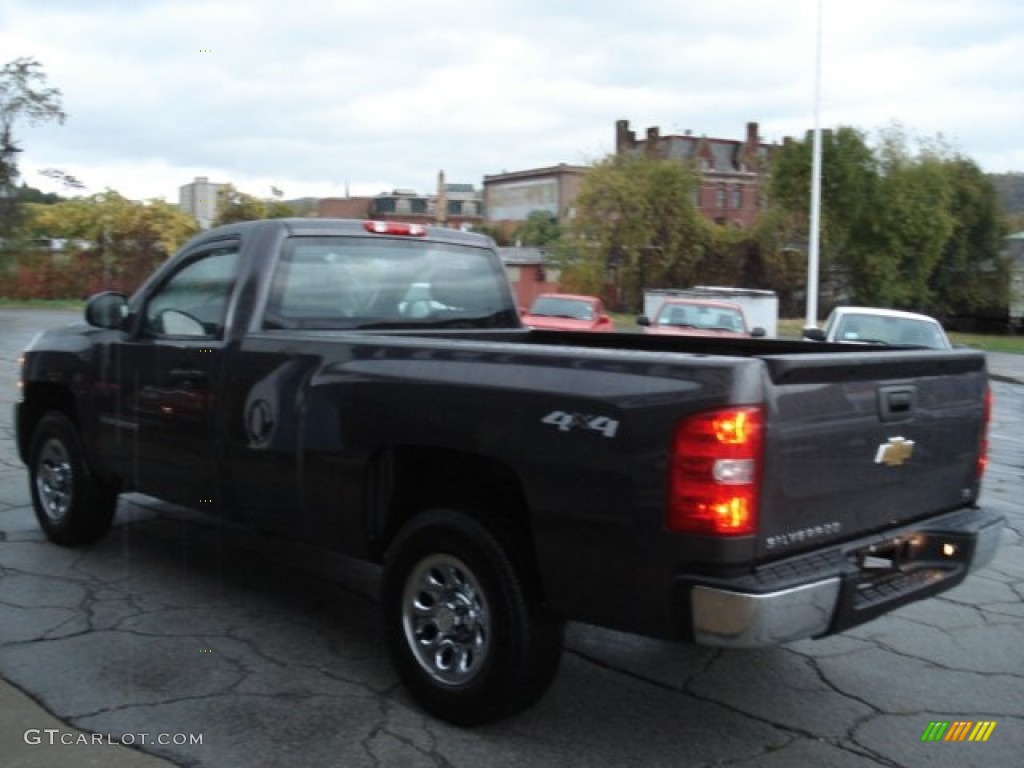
446	622
54	480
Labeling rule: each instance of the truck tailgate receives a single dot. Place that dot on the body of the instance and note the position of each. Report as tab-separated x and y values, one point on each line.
860	442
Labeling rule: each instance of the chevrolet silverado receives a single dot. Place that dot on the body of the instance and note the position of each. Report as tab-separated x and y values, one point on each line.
369	387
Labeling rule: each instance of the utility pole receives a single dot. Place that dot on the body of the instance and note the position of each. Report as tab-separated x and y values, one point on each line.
441	209
811	319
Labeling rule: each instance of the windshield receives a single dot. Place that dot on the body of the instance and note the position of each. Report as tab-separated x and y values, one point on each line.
357	282
551	306
701	316
881	329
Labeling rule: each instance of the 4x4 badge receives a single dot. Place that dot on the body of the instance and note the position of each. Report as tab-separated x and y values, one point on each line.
894	452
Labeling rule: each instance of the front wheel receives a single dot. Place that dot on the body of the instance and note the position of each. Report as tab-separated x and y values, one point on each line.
464	627
72	505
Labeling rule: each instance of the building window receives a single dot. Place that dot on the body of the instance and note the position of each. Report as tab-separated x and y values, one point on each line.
737	196
720	196
403	205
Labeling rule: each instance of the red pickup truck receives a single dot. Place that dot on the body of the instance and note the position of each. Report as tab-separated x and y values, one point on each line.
568	312
699	317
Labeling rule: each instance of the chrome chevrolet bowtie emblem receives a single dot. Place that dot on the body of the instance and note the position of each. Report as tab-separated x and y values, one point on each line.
894	452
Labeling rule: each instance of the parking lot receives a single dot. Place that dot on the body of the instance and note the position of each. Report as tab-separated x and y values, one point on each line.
175	627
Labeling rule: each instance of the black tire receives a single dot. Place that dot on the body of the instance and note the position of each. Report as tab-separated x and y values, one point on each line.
462	619
72	505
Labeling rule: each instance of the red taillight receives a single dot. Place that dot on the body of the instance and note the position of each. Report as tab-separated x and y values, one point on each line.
394	228
715	472
986	417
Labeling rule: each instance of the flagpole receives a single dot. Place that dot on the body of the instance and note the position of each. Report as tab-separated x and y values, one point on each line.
811	320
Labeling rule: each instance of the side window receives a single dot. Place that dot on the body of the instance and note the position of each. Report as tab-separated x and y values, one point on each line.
194	300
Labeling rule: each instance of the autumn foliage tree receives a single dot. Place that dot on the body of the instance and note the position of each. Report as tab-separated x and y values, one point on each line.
23	96
107	242
233	205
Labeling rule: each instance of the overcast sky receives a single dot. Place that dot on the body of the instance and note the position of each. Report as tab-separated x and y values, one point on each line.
316	97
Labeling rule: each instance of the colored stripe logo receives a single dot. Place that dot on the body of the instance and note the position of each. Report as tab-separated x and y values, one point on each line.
958	730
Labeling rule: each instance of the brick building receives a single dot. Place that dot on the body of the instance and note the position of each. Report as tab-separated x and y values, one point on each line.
510	197
458	206
731	170
529	272
343	207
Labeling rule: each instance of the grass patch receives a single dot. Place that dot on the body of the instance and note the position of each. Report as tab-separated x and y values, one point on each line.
1013	345
790	328
76	304
625	322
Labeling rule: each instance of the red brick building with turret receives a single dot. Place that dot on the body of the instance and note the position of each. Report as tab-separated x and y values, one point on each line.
732	171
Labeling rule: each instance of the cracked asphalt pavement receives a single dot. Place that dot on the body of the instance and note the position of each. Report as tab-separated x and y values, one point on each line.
175	626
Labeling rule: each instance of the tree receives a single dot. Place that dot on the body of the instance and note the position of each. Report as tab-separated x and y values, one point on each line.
540	229
23	95
636	216
497	234
971	273
900	228
777	260
233	206
66	179
849	191
118	242
27	194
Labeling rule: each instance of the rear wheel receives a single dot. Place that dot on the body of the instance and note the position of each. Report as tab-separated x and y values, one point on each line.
72	505
464	627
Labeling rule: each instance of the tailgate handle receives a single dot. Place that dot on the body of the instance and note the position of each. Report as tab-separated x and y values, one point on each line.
895	403
188	374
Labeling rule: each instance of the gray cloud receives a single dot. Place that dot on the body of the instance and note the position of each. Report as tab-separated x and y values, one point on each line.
310	95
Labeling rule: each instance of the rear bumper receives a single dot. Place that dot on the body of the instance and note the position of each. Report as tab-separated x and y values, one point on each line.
825	592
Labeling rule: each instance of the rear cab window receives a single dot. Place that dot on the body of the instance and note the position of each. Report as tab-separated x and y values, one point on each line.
336	282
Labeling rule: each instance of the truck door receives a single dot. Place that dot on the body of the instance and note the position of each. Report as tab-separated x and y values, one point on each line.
158	414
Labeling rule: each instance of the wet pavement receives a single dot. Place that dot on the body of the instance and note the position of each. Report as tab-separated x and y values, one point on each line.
206	645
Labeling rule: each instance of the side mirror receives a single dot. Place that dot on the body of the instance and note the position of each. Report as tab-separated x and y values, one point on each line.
643	320
106	310
758	332
814	334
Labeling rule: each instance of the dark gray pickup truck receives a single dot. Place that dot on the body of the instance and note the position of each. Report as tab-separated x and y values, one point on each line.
368	386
